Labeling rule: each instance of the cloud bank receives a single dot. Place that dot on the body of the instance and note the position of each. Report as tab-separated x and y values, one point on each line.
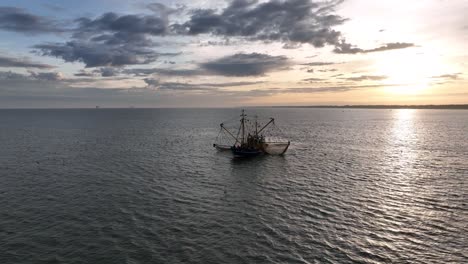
22	63
18	20
299	21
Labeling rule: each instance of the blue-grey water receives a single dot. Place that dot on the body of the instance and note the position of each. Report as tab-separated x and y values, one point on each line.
146	186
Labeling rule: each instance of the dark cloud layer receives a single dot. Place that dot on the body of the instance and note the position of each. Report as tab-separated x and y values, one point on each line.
142	72
114	29
97	54
241	64
115	40
21	63
292	22
296	21
130	24
18	20
112	40
153	83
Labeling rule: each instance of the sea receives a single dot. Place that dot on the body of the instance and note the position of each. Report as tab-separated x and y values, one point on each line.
147	186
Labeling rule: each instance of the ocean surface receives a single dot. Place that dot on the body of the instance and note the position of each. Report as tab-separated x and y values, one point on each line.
146	186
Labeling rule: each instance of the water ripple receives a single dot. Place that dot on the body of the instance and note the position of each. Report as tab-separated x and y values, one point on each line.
144	186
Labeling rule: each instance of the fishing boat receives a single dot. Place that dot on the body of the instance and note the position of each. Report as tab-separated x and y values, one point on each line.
252	138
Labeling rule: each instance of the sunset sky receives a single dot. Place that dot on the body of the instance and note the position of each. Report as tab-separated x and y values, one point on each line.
117	53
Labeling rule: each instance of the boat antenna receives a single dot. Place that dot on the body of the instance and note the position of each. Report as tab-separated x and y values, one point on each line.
243	126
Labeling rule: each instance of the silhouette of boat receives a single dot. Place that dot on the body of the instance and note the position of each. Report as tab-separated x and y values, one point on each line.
251	139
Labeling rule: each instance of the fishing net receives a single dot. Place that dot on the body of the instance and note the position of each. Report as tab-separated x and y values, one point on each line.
275	148
275	143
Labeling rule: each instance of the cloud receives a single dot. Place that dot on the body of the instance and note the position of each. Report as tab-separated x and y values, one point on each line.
328	70
366	78
95	55
163	10
122	27
308	90
42	76
155	83
22	63
453	76
46	76
392	46
230	84
152	83
9	75
292	21
313	79
162	71
183	87
83	73
241	64
292	45
114	29
319	63
107	71
18	20
112	40
346	48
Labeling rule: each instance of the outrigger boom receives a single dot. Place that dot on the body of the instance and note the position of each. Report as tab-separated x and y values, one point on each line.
222	126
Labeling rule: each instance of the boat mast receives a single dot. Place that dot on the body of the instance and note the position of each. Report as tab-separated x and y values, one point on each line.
256	127
243	126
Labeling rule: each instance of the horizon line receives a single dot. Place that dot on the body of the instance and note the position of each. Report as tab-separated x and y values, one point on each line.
356	106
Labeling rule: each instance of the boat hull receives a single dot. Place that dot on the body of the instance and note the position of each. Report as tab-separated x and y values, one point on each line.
222	147
239	152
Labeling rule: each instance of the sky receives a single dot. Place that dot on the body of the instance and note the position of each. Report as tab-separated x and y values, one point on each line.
207	53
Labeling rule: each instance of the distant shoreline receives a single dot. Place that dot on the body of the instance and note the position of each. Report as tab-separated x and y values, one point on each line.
456	107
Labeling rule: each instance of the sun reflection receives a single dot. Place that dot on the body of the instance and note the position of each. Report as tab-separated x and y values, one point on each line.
404	114
403	129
